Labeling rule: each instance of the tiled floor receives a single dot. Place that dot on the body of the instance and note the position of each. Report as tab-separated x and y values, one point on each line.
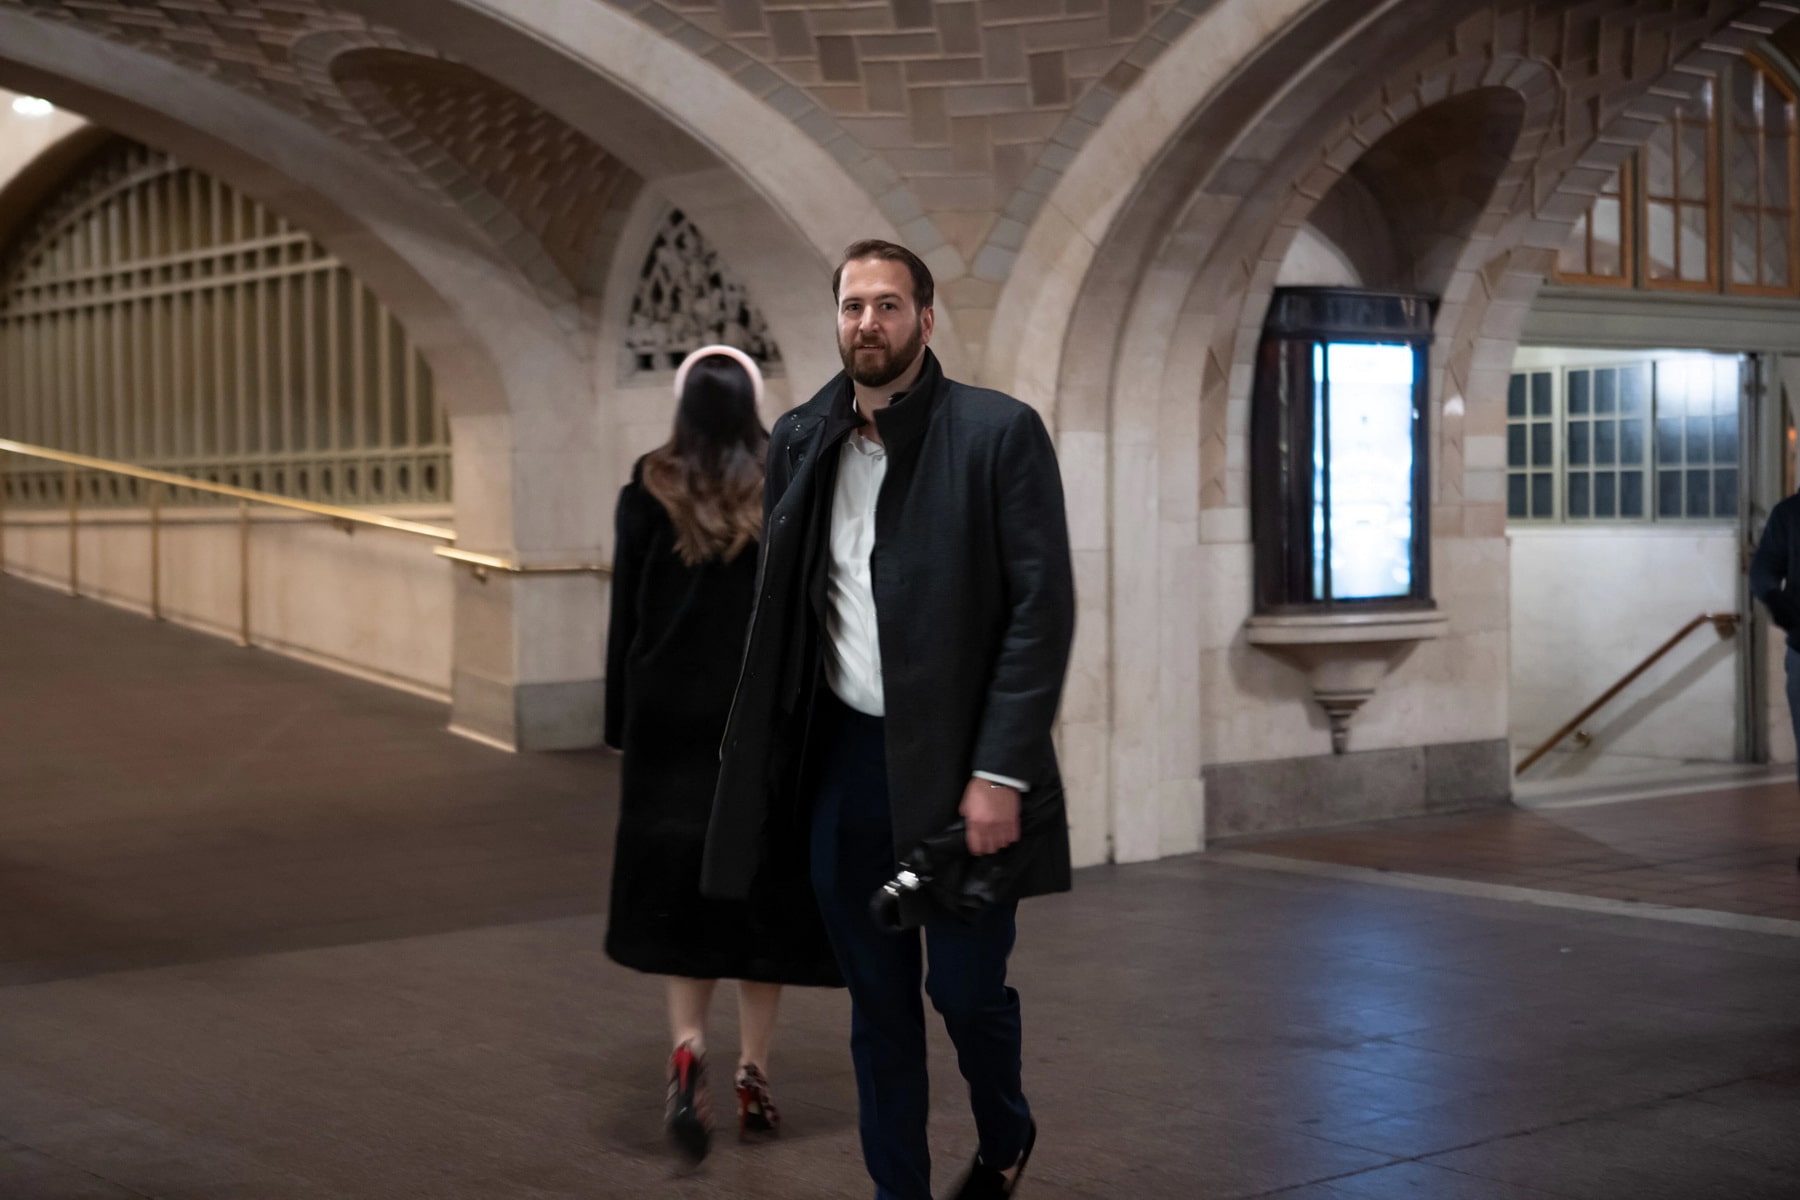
1732	850
270	934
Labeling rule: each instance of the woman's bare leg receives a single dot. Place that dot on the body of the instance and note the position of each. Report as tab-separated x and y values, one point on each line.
689	1001
757	1005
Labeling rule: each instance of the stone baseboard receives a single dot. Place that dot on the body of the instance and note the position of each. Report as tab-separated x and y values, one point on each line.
528	716
1334	789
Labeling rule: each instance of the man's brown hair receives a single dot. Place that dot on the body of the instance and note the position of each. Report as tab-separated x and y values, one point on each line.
924	290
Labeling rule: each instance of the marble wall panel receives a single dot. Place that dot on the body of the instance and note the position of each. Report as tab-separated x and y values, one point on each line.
372	605
1589	603
1083	748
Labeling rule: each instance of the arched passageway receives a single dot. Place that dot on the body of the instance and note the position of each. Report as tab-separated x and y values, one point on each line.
1108	198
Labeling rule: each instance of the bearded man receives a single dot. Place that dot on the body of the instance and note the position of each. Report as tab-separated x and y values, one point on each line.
915	608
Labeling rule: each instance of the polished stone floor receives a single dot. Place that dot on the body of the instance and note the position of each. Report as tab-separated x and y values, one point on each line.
267	933
1724	849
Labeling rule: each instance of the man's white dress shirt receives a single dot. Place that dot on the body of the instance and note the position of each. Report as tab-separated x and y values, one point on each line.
852	648
852	644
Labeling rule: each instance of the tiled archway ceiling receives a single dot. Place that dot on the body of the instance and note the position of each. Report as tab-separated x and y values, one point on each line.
958	116
480	141
534	186
969	111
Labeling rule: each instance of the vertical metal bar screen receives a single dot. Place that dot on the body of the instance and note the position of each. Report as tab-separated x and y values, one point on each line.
152	314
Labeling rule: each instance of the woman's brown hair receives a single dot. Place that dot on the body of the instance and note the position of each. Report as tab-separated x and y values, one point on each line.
709	474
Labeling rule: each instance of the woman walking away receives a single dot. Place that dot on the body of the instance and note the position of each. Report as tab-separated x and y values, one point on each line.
684	576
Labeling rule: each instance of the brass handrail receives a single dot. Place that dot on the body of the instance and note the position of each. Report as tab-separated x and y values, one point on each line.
332	512
347	519
481	564
1724	623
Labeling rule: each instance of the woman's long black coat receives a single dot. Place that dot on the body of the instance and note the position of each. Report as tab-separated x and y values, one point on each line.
975	613
676	635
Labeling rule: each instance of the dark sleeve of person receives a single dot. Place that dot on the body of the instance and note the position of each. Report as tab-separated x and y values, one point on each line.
1769	567
1040	597
630	538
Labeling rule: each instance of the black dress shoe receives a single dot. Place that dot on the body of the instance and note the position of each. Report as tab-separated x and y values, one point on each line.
990	1183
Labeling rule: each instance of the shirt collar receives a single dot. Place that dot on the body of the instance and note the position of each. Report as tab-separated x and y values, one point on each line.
904	419
866	447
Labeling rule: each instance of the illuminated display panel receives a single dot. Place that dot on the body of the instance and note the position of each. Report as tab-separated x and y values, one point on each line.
1366	447
1338	480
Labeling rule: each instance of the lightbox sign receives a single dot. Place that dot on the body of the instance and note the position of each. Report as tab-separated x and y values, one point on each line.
1338	433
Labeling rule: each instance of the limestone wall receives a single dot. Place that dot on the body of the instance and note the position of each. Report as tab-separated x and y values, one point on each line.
371	603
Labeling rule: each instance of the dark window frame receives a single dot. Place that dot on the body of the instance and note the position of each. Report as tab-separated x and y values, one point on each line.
1282	427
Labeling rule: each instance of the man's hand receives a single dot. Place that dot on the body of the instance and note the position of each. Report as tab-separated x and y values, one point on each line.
992	813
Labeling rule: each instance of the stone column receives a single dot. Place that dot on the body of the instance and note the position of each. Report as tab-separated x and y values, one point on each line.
528	660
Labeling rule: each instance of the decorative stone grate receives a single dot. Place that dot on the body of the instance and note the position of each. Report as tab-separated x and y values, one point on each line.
686	299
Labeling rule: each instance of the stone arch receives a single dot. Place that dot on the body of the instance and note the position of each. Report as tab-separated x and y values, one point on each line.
1347	241
1158	353
504	367
469	144
438	114
705	132
1063	332
280	162
495	352
534	477
1230	61
779	204
1439	168
36	180
1502	115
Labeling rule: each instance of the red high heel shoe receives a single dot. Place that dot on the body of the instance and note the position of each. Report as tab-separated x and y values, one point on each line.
757	1113
687	1116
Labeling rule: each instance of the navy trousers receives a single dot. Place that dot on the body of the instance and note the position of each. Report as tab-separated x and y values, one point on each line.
852	855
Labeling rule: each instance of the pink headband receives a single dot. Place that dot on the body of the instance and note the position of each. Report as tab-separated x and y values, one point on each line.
731	352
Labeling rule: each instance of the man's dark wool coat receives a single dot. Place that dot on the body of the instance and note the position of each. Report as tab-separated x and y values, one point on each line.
1775	568
975	612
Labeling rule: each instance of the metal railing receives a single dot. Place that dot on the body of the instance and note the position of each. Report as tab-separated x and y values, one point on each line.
1725	624
160	482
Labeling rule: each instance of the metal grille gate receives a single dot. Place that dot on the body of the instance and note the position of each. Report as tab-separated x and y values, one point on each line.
152	314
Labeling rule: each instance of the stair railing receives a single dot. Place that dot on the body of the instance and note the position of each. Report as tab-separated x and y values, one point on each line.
1725	624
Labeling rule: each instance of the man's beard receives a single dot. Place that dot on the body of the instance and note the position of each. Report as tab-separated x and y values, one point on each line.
881	365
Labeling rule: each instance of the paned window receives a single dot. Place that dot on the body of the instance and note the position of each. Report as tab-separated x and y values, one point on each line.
1606	423
1759	173
1531	446
1708	204
1632	441
1599	250
1696	438
1679	198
